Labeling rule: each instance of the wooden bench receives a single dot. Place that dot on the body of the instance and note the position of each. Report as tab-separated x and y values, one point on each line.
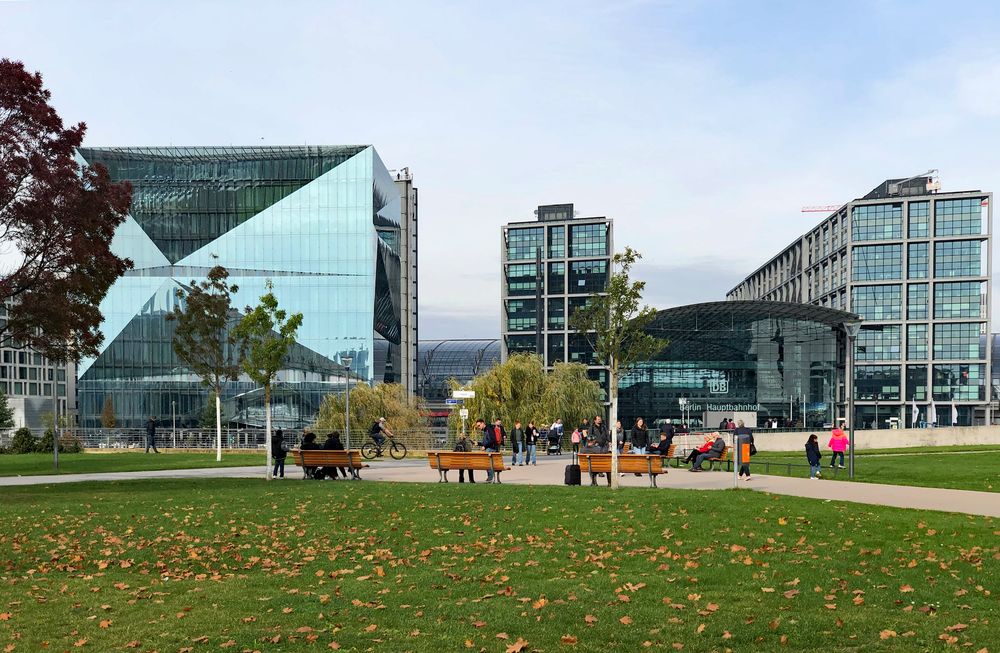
329	458
727	455
445	461
600	463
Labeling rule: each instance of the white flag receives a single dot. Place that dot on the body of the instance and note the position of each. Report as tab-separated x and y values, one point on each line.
914	413
932	413
954	412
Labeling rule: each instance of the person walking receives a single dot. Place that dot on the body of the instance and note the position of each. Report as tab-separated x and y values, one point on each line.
464	445
517	445
813	456
838	444
744	436
531	443
278	452
640	436
151	434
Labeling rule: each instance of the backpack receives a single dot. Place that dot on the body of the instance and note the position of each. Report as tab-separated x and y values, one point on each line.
374	430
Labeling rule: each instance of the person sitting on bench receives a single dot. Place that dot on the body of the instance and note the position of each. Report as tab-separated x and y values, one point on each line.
592	447
333	443
714	452
662	447
709	438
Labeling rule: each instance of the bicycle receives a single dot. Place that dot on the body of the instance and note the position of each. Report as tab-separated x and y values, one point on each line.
372	449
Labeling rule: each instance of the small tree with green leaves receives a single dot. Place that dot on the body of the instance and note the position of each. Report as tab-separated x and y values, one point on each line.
265	334
108	420
615	324
201	338
6	412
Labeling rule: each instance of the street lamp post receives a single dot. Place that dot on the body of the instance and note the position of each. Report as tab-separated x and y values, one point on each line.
346	361
173	420
851	329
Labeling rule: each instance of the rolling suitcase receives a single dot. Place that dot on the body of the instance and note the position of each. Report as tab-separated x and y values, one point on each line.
573	472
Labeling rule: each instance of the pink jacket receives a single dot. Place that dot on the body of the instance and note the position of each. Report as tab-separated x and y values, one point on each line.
838	442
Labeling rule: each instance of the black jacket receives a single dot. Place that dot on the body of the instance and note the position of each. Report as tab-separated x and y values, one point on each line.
662	447
334	444
640	437
600	433
812	452
463	444
489	439
717	448
151	428
530	435
517	435
277	448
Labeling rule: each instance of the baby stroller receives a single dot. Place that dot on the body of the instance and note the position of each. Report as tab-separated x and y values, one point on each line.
555	443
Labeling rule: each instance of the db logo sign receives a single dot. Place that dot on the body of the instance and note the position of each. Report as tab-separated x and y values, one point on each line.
718	386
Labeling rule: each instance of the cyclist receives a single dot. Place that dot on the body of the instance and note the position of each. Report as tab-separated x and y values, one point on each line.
378	428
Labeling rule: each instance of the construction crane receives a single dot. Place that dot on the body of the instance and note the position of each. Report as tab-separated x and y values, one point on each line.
820	209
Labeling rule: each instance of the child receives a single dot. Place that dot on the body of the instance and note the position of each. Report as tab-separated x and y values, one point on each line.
575	439
813	456
838	443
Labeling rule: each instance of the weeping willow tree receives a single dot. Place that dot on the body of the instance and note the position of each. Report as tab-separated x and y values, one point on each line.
520	390
388	400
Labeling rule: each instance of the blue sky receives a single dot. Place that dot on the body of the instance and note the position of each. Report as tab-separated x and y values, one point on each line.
700	127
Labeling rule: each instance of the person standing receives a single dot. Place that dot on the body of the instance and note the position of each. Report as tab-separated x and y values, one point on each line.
491	443
744	436
517	444
531	443
574	440
813	456
584	430
838	443
667	428
640	436
279	453
151	434
463	445
620	436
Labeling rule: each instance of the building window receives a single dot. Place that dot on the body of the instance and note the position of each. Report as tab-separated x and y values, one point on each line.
878	302
557	349
876	382
557	242
32	373
920	216
588	276
877	262
557	313
877	222
959	382
47	389
521	315
588	240
918	260
959	258
958	217
33	389
557	278
18	388
916	342
521	279
916	301
518	344
960	299
576	303
524	243
879	343
916	382
958	341
580	350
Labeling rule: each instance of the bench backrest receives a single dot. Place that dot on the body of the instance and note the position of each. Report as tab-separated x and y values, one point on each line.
726	453
328	457
627	464
465	460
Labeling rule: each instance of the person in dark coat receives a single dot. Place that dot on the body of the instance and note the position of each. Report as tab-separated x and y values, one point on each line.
490	442
151	434
309	442
531	436
333	443
592	447
599	431
279	453
813	456
463	445
662	447
745	436
640	436
666	428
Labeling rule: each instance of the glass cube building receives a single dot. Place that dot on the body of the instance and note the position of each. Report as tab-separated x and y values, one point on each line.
330	226
915	264
550	267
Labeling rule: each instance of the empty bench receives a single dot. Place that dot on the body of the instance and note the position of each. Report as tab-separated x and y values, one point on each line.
445	461
309	458
600	463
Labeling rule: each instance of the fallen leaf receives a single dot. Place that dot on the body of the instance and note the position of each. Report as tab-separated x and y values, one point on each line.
334	645
626	620
830	606
699	629
5	616
905	588
886	634
568	639
503	636
791	594
477	624
518	646
104	623
590	619
227	644
371	628
540	603
134	644
80	642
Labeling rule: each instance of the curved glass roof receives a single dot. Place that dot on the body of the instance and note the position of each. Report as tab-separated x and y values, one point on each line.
440	360
712	315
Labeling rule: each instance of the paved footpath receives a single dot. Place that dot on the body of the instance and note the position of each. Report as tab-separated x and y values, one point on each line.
549	471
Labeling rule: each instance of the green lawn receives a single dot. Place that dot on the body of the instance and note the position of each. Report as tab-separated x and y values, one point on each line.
239	565
968	468
128	461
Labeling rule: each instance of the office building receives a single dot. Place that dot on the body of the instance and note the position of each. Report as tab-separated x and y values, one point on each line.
915	264
551	265
759	361
330	226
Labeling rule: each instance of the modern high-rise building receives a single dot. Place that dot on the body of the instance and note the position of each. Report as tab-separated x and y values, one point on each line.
330	226
915	264
550	267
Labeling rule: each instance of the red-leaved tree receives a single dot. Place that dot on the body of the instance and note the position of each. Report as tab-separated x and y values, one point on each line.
57	219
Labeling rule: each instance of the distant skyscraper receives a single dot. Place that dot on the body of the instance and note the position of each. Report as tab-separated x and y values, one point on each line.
332	228
915	264
550	266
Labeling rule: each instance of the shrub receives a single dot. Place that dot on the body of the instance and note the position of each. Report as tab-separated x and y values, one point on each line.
68	443
23	441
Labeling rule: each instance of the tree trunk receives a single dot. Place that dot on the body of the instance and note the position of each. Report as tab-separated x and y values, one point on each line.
612	420
218	426
55	416
267	427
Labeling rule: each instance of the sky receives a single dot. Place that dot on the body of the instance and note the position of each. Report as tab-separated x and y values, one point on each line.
701	127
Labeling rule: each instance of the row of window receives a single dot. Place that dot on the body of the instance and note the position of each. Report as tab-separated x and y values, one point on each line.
21	389
521	313
574	348
957	217
952	300
961	382
952	341
584	240
584	277
958	258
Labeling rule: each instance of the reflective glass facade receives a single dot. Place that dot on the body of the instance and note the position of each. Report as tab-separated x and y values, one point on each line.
442	360
326	224
775	359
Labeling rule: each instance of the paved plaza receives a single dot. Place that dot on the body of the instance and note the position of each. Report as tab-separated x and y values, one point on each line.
549	471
